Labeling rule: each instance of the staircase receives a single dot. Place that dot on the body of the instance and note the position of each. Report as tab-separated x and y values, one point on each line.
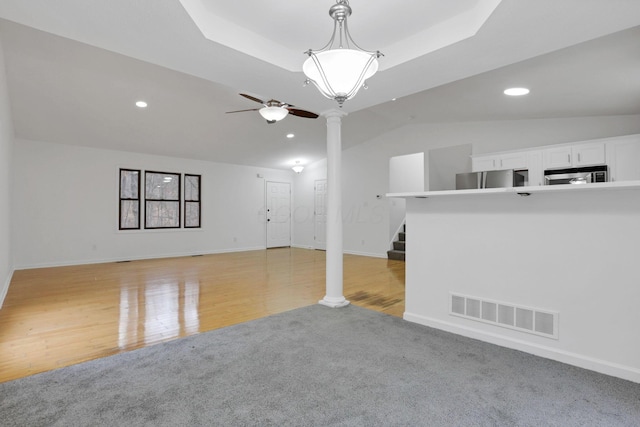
397	253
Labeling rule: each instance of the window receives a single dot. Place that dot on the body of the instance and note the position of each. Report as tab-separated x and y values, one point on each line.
129	199
192	201
166	201
162	200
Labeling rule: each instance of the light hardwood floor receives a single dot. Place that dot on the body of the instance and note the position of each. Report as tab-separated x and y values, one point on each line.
55	317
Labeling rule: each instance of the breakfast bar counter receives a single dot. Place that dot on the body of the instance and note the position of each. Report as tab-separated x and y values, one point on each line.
622	185
554	274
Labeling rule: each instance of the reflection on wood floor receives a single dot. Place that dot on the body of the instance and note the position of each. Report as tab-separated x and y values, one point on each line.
55	317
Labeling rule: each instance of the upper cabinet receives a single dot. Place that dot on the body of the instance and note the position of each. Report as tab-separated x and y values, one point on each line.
623	155
534	165
574	156
490	162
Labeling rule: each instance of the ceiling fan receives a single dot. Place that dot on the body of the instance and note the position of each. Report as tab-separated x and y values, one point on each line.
273	111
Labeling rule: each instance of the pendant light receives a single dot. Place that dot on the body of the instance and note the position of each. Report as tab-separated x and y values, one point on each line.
341	67
298	167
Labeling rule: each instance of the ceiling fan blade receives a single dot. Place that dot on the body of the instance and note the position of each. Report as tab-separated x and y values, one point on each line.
252	98
242	111
302	113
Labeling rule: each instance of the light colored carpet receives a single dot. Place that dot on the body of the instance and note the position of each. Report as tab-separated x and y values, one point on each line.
321	366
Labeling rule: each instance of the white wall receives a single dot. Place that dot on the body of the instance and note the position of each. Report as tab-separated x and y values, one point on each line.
66	206
366	166
574	253
365	216
51	227
6	143
304	203
406	173
445	163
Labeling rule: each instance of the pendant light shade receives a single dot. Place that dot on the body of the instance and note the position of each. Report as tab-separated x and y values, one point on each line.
298	167
340	68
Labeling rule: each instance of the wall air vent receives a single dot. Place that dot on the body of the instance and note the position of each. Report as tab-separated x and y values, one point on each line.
507	315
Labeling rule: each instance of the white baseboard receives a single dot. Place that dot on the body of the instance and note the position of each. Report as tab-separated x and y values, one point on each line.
602	366
136	258
303	246
369	254
5	287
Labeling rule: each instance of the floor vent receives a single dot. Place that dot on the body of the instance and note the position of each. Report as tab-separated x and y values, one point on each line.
519	318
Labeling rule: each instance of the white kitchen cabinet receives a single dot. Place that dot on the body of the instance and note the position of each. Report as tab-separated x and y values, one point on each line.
491	162
620	153
589	154
534	165
513	161
556	158
623	156
483	163
576	155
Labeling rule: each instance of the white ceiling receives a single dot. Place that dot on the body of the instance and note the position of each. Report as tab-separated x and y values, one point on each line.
425	27
76	67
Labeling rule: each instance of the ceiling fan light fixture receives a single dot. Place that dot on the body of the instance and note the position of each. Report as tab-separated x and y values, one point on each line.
341	67
273	113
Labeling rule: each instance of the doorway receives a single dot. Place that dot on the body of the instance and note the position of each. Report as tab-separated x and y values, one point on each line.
278	214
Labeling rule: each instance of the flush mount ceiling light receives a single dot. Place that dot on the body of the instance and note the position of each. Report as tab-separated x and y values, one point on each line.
516	91
298	167
341	67
141	104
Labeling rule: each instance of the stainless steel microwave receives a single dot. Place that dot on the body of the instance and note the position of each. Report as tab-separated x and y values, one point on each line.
584	175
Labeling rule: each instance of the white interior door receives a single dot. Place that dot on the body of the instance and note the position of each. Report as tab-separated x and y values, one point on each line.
278	214
320	214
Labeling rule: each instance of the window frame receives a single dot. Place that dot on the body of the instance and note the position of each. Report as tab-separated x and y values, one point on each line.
198	201
176	201
122	199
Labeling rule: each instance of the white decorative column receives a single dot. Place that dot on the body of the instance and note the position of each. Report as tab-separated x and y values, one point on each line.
334	297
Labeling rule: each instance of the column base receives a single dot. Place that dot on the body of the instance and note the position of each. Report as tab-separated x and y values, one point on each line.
334	302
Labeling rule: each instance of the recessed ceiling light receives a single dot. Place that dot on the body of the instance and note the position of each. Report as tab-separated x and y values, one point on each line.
516	91
141	104
393	99
290	135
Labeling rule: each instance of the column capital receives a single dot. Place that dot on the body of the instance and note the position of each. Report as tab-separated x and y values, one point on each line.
335	112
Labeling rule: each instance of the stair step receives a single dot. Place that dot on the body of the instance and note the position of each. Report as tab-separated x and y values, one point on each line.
399	246
396	255
402	236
